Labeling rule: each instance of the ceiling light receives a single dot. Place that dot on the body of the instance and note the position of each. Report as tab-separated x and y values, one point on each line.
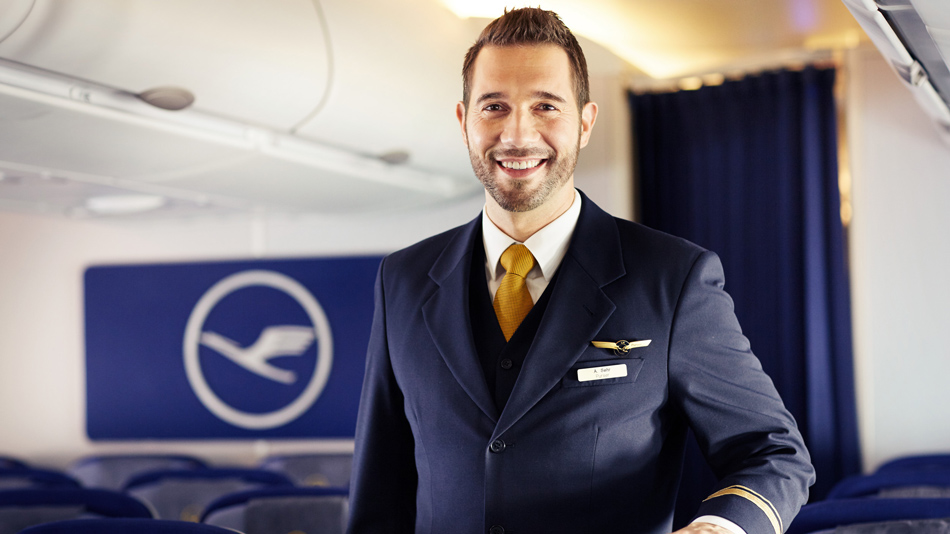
666	47
714	79
690	84
599	22
481	9
124	204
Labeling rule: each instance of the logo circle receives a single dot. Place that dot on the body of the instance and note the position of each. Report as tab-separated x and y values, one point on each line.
324	338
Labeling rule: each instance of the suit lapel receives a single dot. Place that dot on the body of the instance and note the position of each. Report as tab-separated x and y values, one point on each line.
446	314
577	310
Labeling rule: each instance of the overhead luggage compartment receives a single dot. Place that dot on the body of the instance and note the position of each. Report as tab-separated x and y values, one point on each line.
269	59
284	117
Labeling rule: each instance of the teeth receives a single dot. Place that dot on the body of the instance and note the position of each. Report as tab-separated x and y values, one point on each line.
521	165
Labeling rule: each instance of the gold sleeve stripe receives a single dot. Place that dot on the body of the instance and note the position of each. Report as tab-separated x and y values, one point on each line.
768	502
756	499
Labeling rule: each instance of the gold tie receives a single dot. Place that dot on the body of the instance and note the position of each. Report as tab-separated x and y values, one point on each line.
512	300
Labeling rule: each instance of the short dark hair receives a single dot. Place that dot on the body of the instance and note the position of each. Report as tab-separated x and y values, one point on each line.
530	26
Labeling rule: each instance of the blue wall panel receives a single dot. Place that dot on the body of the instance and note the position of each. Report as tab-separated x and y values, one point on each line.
227	350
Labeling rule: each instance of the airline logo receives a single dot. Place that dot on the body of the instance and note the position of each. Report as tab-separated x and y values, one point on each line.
263	349
273	342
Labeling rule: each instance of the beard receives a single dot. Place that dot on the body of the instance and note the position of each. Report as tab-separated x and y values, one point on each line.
518	195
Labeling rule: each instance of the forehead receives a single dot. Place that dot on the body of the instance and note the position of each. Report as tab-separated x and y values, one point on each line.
527	68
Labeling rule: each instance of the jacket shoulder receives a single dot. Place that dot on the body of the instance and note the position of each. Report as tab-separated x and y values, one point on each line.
640	240
421	256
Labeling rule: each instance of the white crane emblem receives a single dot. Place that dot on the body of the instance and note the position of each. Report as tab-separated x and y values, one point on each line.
273	342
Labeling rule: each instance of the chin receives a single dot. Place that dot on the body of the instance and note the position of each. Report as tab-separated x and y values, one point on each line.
520	197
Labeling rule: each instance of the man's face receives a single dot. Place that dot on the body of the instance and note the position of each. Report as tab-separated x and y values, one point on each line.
522	126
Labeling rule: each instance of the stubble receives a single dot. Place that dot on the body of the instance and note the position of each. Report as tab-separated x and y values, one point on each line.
519	196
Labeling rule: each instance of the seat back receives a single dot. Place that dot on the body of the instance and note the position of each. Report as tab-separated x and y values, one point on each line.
910	526
124	526
831	514
925	462
8	462
184	494
15	519
27	477
313	469
894	484
310	510
20	508
113	471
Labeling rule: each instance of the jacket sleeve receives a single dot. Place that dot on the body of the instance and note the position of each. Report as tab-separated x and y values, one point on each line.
383	485
749	438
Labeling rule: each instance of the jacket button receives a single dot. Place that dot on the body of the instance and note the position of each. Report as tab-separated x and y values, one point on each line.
497	446
506	364
496	529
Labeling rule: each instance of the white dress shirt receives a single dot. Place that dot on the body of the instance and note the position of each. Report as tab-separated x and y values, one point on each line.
548	246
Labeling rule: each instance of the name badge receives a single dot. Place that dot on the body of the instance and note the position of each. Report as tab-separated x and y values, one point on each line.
602	373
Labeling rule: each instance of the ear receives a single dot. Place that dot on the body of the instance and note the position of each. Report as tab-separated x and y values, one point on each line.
588	117
460	114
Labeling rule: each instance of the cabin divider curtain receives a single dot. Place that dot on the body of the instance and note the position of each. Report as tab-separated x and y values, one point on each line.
748	169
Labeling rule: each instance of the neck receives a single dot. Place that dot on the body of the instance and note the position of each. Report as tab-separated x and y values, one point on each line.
520	225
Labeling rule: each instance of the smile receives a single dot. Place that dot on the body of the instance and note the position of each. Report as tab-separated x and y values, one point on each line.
521	165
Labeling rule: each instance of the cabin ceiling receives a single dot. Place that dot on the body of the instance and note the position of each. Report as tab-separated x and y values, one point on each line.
306	105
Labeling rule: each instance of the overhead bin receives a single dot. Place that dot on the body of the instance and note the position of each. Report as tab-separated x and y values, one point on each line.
907	42
263	63
73	74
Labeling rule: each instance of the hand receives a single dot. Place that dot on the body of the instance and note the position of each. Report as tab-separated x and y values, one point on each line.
703	528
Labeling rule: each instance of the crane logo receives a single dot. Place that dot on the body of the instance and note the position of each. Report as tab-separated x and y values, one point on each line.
273	341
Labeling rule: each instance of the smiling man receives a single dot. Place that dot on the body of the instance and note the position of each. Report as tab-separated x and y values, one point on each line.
536	370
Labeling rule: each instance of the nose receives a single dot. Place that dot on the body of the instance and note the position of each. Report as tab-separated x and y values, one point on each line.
520	129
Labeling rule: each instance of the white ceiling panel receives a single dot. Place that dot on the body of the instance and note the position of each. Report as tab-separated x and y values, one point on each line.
396	84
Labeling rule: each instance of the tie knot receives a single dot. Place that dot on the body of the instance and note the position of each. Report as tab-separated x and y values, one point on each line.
517	259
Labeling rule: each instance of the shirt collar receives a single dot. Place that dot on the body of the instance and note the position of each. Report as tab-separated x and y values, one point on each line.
548	245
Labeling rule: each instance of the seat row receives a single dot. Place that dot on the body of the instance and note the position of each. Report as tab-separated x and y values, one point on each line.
114	471
906	495
267	510
268	499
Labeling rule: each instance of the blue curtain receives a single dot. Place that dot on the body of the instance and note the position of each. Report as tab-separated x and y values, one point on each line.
748	169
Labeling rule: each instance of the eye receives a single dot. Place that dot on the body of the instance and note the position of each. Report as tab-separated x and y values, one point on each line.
547	107
493	107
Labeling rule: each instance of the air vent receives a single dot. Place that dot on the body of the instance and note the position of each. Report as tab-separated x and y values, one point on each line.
169	98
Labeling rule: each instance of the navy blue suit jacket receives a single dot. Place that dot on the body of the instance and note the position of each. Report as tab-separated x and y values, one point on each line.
435	456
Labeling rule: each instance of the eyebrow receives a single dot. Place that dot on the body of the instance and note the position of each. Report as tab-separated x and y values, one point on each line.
544	95
550	96
489	96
